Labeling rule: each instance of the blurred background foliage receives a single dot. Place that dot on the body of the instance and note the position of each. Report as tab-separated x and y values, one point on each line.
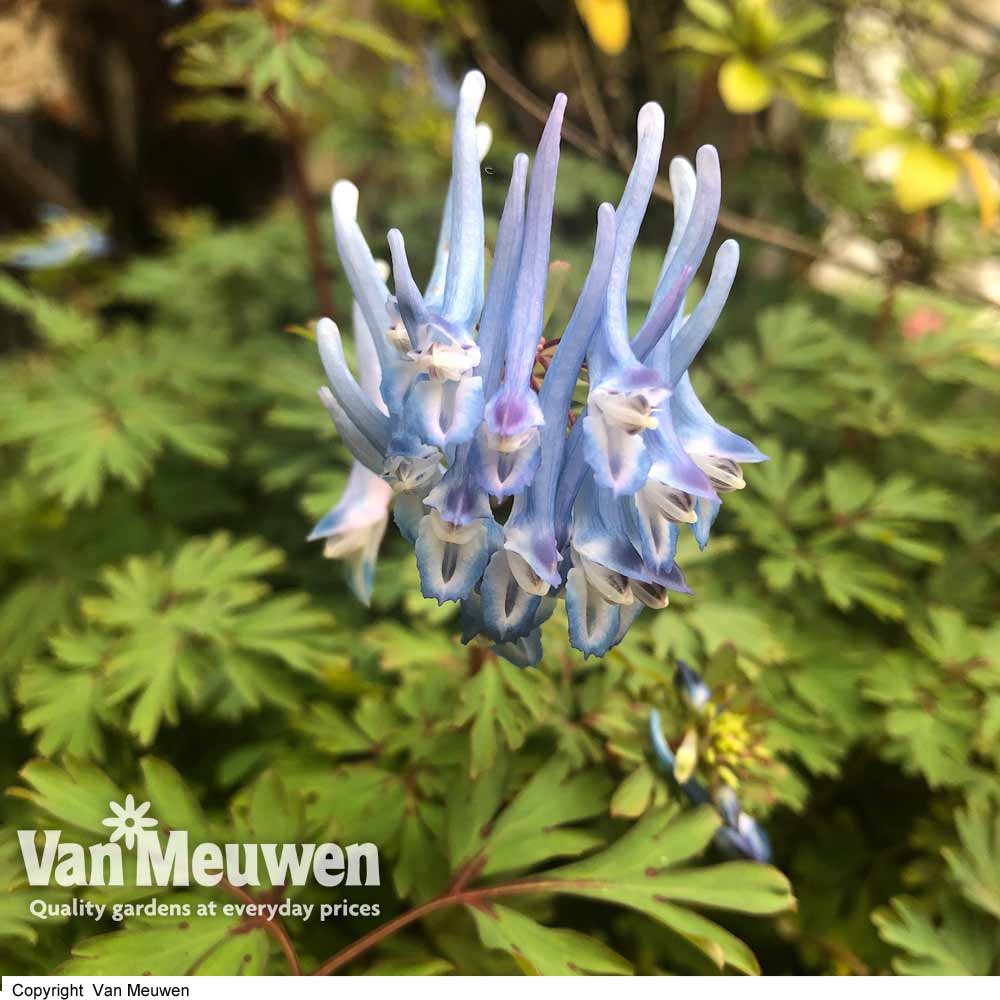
165	248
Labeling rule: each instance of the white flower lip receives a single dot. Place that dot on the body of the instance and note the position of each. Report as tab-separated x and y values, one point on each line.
509	443
527	579
674	505
612	586
445	362
457	534
633	411
723	473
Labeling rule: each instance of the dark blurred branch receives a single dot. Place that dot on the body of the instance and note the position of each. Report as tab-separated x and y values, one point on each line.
34	176
295	154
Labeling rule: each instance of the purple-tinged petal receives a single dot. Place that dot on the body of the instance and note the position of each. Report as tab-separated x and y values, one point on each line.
530	540
513	414
508	442
458	498
671	465
505	471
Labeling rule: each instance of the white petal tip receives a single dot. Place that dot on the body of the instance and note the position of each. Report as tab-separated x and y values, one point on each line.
729	249
650	120
681	170
484	139
473	89
707	156
383	269
327	329
344	198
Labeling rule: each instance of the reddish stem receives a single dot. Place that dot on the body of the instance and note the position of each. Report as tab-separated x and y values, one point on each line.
473	897
273	927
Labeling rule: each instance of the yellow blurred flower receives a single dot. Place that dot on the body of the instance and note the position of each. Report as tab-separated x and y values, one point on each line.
608	23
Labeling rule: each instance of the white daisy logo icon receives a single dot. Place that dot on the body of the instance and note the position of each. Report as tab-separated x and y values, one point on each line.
128	821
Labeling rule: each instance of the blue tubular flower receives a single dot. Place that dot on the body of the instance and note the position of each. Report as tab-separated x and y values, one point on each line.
444	403
624	394
452	558
508	611
508	449
434	292
717	451
371	423
370	292
522	574
463	284
614	567
443	420
353	528
503	280
458	534
530	535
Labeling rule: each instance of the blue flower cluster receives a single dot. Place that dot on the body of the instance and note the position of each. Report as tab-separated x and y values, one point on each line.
450	425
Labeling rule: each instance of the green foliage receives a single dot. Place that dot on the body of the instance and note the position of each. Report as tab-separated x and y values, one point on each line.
759	47
949	110
279	54
200	630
